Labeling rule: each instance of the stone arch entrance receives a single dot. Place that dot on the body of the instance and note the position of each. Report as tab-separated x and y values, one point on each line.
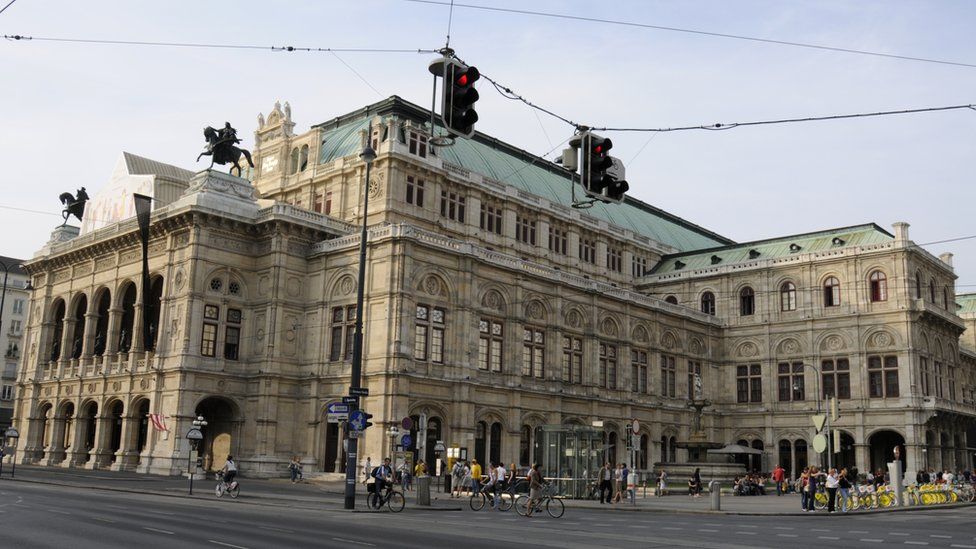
115	411
882	445
844	456
84	441
222	418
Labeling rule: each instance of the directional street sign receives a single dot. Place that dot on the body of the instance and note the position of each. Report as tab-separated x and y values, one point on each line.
354	434
357	420
350	400
819	420
337	412
406	441
359	391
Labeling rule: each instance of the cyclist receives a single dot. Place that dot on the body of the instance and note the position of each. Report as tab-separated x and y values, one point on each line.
535	488
490	488
230	471
383	475
501	479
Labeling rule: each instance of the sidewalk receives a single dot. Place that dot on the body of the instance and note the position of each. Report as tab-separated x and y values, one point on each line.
328	495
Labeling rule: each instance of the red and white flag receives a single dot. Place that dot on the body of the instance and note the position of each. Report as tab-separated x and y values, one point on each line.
158	422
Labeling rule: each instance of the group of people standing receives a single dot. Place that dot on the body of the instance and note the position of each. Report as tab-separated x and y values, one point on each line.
614	483
834	482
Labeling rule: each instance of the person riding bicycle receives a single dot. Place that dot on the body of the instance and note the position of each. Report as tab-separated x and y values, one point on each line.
383	475
230	471
535	489
492	484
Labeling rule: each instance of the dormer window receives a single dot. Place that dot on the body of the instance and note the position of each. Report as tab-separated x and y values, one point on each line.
678	265
838	241
716	260
753	254
417	144
795	248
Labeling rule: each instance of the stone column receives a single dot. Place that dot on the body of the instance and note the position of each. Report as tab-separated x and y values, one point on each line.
67	343
112	331
137	343
862	456
77	453
88	339
127	456
55	451
100	454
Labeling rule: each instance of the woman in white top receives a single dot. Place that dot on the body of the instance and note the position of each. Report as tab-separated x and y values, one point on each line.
662	483
831	485
489	487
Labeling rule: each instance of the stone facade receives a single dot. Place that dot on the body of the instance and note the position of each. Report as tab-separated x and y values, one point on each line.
15	314
492	308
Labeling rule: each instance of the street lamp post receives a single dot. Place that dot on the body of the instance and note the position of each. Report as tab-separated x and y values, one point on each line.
355	382
12	435
194	435
817	373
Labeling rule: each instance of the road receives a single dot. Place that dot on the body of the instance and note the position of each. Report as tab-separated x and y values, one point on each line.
40	516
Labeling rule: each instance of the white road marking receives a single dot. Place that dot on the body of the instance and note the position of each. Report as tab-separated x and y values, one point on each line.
857	531
746	533
670	528
706	530
916	543
782	528
963	546
226	544
167	532
104	519
899	533
276	529
753	526
343	540
788	535
819	530
828	537
940	536
873	540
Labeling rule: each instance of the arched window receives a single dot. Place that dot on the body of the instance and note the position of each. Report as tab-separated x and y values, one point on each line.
879	286
787	296
747	301
293	165
831	292
673	449
525	443
708	303
303	158
671	299
918	285
932	291
58	333
945	298
645	447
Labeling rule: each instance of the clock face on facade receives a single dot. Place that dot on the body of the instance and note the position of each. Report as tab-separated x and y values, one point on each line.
269	164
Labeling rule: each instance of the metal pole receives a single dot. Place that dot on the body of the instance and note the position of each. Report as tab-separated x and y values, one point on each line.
189	457
357	348
3	296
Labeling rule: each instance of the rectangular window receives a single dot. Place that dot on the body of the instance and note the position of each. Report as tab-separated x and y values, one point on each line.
638	362
614	262
558	239
18	307
836	378
7	393
452	206
926	376
533	351
491	218
952	383
587	251
608	366
14	327
328	203
208	344
748	383
343	332
694	368
490	339
790	381
317	203
211	312
418	144
429	333
572	359
415	191
232	340
668	376
638	266
938	380
524	230
883	376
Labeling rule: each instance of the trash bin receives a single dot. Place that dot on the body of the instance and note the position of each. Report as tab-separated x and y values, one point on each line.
716	495
423	490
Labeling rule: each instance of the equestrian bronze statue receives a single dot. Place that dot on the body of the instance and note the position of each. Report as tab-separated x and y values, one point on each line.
73	205
222	148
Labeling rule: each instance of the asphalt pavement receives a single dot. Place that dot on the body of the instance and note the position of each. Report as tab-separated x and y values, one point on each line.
45	515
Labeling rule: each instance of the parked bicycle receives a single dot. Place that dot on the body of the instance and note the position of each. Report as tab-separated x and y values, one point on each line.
233	489
390	497
505	499
552	505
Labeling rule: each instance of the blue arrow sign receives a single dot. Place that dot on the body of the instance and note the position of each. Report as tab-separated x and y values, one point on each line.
357	420
406	441
337	408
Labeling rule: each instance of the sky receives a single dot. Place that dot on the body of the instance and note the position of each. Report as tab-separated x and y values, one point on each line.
69	110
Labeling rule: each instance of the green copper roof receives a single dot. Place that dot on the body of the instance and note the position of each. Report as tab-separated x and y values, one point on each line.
859	235
502	162
967	304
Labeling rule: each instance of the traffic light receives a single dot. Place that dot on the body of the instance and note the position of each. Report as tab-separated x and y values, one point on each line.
367	424
459	98
594	162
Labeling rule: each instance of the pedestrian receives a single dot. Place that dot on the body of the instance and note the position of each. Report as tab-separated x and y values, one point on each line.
832	484
295	468
618	482
778	475
813	480
625	481
403	471
804	482
475	477
845	489
367	469
606	477
501	475
696	482
457	478
662	483
535	489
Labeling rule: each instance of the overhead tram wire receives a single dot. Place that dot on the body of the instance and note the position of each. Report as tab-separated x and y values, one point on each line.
700	32
17	37
7	6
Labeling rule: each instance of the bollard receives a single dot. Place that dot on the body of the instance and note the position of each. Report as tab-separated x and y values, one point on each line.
423	491
715	487
896	482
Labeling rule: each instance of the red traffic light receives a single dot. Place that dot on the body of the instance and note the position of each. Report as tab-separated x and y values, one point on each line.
602	146
467	76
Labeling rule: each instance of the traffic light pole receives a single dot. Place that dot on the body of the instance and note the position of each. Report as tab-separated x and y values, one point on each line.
355	382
